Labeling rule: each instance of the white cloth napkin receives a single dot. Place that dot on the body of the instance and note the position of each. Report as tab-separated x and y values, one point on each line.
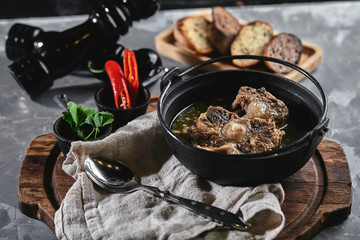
88	212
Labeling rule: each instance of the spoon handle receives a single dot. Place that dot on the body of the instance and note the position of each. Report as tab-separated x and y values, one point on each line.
62	100
219	215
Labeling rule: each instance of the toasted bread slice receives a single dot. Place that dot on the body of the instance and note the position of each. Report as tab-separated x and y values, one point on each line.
179	36
251	40
284	46
196	29
224	28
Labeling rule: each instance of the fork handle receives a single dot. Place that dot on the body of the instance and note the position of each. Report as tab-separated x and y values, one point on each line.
222	216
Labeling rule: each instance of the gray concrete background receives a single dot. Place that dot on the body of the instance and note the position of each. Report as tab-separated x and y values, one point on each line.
333	26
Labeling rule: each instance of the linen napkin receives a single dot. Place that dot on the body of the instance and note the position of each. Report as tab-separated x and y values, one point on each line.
88	212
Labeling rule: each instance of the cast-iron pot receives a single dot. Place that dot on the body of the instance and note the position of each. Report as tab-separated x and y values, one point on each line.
306	114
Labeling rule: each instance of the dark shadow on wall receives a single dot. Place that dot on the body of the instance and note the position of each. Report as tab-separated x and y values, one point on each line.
43	8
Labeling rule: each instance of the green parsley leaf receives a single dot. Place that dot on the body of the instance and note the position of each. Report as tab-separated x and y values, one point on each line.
79	115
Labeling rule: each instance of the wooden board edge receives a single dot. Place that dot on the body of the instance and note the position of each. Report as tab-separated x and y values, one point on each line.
328	214
153	103
340	185
27	205
308	216
309	65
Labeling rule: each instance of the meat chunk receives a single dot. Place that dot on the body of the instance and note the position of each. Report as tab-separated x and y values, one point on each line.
261	104
207	129
220	130
228	148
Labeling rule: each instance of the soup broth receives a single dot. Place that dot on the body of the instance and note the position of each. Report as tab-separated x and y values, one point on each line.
188	116
294	129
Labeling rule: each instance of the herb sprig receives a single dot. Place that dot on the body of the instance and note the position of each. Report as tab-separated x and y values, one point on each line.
79	115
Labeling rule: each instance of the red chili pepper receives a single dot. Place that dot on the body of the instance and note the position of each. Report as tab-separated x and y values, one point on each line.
118	83
131	74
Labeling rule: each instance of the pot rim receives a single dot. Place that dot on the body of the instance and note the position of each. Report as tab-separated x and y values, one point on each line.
175	74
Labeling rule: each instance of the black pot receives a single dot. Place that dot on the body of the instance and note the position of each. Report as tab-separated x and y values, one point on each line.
307	113
65	136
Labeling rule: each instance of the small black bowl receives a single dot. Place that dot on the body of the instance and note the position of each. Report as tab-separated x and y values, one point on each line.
65	136
104	99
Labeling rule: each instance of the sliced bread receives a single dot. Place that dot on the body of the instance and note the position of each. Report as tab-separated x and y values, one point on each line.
251	40
223	29
179	36
284	46
196	29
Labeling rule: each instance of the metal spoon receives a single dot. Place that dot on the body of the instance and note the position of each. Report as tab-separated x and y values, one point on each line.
62	100
114	176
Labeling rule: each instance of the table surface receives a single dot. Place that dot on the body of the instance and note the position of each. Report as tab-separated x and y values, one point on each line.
333	26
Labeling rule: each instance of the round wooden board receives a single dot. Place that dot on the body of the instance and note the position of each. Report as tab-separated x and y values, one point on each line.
316	196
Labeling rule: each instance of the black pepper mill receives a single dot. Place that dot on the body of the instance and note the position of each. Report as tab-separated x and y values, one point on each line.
41	57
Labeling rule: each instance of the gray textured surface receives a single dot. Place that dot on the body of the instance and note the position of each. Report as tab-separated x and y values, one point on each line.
332	26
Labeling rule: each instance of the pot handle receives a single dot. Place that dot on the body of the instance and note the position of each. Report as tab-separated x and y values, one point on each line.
269	59
165	83
168	78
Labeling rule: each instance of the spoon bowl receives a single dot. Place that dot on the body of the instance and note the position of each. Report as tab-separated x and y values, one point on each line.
112	176
115	177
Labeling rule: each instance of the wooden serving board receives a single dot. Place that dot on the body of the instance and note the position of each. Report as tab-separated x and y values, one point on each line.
167	46
317	196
